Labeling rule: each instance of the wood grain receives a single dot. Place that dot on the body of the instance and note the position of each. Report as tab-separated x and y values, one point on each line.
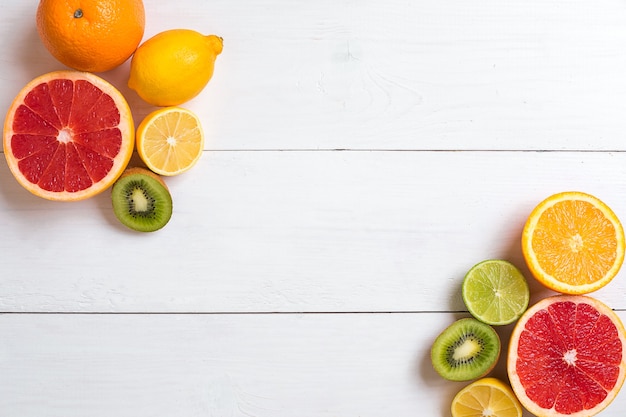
296	232
250	365
338	74
360	158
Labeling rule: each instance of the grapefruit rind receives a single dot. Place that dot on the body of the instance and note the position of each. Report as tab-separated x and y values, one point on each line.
552	282
126	127
512	357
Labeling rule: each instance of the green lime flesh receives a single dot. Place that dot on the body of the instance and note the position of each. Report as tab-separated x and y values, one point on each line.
495	292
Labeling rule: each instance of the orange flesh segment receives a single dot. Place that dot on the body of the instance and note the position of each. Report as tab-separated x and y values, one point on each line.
572	251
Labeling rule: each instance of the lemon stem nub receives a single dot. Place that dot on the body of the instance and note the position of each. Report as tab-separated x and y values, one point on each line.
78	13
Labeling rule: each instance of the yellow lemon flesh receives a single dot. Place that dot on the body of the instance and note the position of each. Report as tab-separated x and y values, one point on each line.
170	140
173	66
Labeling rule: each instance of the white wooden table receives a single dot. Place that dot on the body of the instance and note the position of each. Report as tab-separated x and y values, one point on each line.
361	157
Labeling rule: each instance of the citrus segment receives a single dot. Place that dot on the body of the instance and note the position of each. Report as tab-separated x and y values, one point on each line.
573	243
486	397
68	135
567	356
495	292
170	141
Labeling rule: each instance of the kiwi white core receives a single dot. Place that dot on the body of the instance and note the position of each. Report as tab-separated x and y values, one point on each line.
139	201
467	349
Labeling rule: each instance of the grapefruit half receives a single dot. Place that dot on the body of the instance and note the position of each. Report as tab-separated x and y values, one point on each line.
68	135
567	357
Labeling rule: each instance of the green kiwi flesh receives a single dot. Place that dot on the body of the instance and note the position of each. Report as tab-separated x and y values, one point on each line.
141	200
466	350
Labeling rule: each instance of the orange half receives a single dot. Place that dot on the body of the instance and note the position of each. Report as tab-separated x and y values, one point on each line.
573	243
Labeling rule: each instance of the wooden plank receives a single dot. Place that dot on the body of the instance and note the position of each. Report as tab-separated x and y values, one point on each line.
307	365
382	232
295	231
428	74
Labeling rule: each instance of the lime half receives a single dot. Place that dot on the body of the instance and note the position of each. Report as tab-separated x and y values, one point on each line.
495	292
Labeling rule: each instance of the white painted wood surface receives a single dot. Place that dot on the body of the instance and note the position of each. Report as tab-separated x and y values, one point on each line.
361	156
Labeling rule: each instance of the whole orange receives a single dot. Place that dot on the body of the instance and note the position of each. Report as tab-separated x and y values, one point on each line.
91	35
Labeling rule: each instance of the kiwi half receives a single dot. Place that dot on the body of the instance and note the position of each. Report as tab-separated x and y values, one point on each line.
141	200
467	349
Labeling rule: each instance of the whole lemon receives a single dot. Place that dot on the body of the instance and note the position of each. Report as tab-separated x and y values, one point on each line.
173	66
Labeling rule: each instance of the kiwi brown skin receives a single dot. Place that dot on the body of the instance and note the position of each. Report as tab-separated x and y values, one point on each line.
481	346
151	221
144	171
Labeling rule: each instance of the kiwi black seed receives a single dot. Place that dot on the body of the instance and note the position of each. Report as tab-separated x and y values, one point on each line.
141	200
466	350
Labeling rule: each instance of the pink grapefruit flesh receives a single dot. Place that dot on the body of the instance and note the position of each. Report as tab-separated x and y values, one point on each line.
567	357
68	135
